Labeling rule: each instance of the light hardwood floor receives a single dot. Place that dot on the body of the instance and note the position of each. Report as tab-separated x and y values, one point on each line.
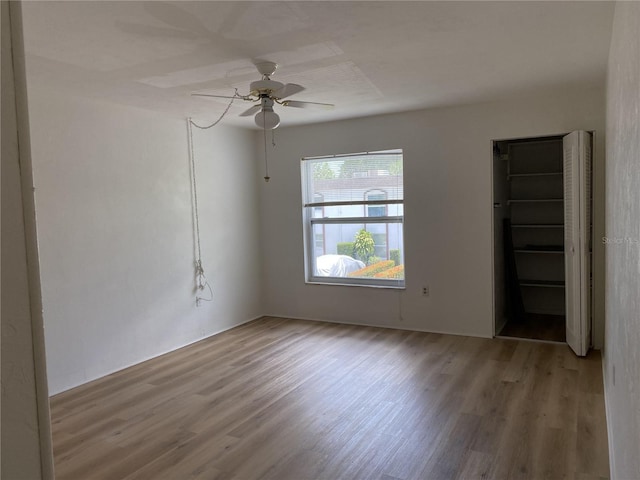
538	327
294	400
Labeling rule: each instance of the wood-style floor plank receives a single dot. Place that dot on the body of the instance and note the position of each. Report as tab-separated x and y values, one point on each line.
294	400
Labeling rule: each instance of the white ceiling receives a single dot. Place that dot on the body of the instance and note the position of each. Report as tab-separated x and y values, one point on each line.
366	57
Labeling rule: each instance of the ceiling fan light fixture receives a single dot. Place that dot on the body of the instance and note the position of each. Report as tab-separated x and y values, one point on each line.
267	119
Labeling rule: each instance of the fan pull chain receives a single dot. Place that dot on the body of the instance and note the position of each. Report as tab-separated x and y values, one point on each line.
235	95
266	162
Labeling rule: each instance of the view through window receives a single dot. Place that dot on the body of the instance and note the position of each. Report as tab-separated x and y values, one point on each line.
353	214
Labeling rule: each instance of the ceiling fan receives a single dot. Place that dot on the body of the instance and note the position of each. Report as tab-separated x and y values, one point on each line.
269	92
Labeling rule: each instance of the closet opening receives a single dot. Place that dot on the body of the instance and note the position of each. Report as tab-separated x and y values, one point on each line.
537	222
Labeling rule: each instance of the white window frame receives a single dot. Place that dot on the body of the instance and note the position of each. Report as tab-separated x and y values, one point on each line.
309	222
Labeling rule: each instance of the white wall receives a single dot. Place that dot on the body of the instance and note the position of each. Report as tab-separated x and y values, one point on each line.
622	336
116	236
26	442
448	234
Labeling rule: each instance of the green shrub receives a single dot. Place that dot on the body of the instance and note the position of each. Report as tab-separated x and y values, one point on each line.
346	248
373	259
395	272
371	270
394	255
364	245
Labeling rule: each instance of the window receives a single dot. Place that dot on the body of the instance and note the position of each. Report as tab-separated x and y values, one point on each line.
353	207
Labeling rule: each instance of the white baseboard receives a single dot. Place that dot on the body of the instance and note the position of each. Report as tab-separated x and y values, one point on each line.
145	359
216	332
392	327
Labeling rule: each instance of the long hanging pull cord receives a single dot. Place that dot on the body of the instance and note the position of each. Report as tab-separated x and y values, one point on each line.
201	279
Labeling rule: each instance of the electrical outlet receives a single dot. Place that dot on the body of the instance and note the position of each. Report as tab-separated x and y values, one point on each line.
425	291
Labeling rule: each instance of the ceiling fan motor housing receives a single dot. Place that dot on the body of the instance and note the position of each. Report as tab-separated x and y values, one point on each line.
267	103
265	87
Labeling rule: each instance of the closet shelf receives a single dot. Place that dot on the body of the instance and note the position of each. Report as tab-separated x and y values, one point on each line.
542	283
533	250
534	200
540	174
532	225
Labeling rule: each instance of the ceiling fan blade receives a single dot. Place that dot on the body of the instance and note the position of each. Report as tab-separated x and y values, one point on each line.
251	111
298	104
242	97
287	90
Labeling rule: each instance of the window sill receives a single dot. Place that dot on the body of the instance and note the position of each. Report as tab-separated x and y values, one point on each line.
337	282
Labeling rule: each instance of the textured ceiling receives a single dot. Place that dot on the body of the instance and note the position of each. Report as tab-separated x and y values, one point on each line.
366	57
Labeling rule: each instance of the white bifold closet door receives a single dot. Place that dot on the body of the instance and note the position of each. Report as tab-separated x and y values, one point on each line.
577	234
